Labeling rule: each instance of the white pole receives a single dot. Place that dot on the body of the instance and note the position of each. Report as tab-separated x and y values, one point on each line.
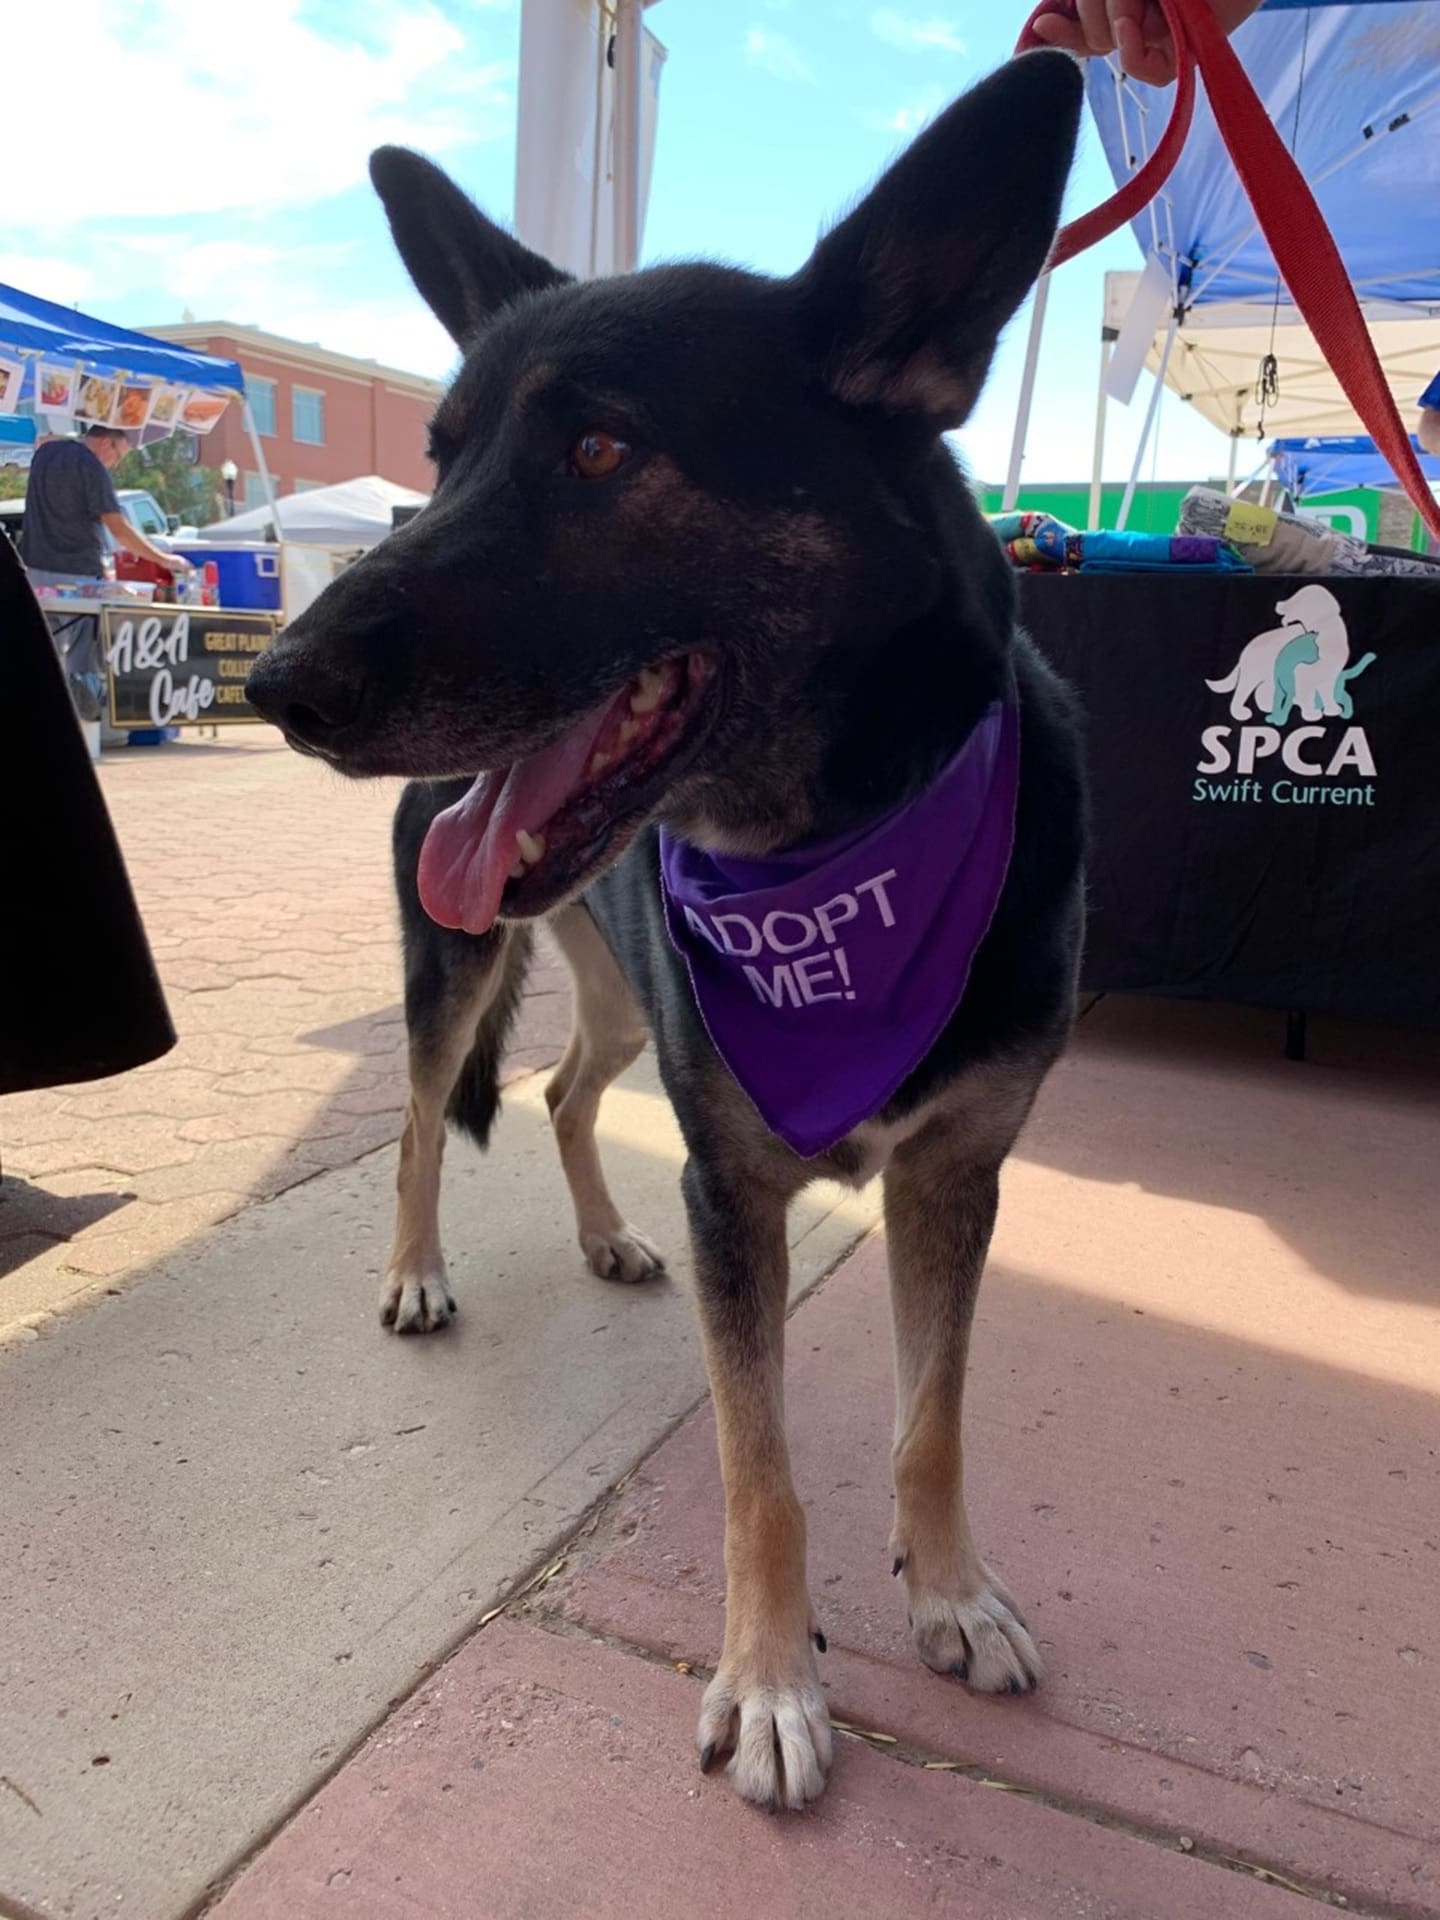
1150	414
1107	347
265	479
1234	460
629	74
1027	392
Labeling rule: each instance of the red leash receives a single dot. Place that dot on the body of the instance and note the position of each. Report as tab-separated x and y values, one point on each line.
1284	207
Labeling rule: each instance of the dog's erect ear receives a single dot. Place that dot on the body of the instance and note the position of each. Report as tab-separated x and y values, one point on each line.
465	267
905	299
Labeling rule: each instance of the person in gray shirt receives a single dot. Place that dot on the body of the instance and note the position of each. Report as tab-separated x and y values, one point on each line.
69	499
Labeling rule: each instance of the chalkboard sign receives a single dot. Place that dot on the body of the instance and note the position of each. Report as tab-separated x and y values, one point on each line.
181	666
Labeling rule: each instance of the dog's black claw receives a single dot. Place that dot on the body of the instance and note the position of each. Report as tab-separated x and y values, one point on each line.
822	1644
707	1757
960	1670
899	1566
1012	1685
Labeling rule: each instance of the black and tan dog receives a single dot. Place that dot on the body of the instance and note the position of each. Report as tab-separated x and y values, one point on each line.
699	558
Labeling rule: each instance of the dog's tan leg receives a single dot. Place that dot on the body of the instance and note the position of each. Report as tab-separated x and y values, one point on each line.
940	1202
609	1034
446	1023
764	1707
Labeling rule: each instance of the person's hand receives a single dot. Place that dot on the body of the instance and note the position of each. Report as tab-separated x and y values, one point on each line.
179	566
1135	29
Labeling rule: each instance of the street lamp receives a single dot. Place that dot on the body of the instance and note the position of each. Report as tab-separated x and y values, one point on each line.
229	473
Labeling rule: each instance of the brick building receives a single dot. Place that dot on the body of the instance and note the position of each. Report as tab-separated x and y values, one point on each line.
322	416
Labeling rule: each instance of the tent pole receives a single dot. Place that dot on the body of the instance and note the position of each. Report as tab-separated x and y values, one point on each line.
1234	461
1027	393
629	76
1107	347
1151	413
265	479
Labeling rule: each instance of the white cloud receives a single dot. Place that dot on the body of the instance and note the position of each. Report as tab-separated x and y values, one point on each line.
311	293
931	35
911	116
776	54
69	283
210	109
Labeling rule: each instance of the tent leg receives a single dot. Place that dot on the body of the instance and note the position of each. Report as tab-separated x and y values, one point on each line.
265	479
1107	347
1027	393
1234	462
629	73
1151	414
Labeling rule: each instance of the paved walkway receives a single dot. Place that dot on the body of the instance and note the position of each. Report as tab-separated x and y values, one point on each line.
265	887
1202	1429
254	1659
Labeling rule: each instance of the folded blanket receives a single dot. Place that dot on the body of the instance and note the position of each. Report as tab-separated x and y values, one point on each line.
1276	542
1157	553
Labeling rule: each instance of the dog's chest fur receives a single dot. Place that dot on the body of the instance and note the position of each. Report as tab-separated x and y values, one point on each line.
981	1107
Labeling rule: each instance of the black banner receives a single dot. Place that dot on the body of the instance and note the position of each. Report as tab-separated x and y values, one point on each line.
181	666
1264	765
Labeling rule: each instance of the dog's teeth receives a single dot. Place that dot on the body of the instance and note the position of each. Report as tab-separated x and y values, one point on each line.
628	731
531	845
517	869
599	763
649	686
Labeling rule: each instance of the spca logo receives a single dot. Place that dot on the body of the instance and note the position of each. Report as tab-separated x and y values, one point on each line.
1300	671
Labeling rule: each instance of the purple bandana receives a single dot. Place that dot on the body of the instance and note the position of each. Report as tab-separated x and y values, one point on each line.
826	973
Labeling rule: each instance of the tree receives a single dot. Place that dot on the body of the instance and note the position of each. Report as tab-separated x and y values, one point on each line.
12	483
166	469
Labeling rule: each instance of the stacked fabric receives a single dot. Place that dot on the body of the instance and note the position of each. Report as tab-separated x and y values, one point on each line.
1276	542
1039	543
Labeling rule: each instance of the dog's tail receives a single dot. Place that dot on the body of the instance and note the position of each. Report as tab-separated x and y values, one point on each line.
1228	684
475	1099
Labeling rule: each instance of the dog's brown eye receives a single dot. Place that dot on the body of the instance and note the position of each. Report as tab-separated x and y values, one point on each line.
595	455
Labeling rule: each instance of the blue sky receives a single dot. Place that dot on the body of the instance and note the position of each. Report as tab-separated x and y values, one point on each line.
226	172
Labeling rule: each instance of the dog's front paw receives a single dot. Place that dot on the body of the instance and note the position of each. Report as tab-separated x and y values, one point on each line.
622	1254
775	1730
416	1302
974	1632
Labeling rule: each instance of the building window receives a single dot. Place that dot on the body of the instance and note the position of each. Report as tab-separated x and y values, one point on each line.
308	416
261	395
254	490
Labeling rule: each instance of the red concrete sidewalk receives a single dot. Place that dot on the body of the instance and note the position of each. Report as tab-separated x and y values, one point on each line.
1202	1450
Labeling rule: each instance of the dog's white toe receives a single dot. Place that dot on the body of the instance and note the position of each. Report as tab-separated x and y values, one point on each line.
776	1734
623	1254
416	1302
978	1636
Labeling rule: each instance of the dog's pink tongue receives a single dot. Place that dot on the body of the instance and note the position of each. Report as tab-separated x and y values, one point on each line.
471	847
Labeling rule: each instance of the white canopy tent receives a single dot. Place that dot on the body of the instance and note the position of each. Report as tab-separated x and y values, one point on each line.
1210	355
352	514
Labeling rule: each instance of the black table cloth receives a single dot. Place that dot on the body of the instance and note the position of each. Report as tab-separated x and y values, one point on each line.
1264	763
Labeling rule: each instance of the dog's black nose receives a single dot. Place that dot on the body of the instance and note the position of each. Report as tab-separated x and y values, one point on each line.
312	703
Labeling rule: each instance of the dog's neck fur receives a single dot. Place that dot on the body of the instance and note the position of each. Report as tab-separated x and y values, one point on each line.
891	704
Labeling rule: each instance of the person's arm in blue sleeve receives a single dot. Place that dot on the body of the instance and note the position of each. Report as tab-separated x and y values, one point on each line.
1428	431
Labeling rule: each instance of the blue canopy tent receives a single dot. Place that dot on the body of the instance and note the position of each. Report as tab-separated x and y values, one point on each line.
1311	465
36	333
1354	88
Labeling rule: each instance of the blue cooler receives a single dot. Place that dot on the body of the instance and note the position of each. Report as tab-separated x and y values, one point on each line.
248	570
